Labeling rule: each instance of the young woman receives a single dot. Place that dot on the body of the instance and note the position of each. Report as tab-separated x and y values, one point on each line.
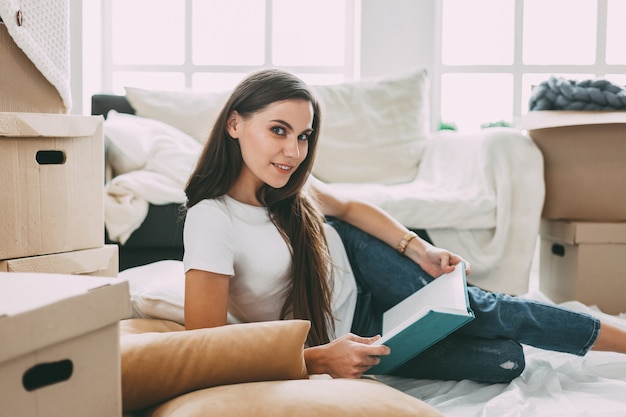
257	247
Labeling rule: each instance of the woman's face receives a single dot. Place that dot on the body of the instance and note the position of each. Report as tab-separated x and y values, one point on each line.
273	141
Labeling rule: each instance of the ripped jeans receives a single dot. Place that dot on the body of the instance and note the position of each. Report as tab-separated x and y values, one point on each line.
487	349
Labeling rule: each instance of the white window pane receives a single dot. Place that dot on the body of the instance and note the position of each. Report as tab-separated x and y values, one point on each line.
306	32
469	100
556	32
221	81
148	32
616	32
478	32
618	79
530	81
228	32
216	81
322	79
148	80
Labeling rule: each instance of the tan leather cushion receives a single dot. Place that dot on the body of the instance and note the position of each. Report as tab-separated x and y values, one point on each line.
137	326
302	398
161	360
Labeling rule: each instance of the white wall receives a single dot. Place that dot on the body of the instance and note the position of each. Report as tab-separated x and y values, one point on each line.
397	35
76	57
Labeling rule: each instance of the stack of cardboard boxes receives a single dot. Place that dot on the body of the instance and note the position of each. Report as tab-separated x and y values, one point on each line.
51	177
583	229
59	354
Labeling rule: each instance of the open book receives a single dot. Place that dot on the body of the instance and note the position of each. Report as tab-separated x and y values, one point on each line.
424	318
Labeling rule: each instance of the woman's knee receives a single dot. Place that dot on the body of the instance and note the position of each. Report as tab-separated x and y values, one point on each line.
496	361
509	361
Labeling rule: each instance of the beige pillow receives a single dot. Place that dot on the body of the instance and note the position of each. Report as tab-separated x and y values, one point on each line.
373	131
302	398
138	326
192	112
161	361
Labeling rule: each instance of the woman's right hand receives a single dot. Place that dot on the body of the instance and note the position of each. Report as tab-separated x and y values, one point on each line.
349	356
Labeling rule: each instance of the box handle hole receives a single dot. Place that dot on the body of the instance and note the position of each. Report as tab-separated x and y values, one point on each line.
45	374
50	157
558	250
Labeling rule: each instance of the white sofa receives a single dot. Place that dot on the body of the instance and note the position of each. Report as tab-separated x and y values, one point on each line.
479	195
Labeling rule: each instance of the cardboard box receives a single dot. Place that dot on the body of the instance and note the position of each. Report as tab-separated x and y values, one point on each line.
103	262
22	87
584	261
52	182
585	163
59	354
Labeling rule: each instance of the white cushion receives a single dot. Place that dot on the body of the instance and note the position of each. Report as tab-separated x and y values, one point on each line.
157	290
192	112
135	143
373	131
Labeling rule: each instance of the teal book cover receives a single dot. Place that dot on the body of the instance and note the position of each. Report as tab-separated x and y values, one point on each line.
423	319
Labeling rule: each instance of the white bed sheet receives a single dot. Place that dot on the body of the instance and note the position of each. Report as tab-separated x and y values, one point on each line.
552	384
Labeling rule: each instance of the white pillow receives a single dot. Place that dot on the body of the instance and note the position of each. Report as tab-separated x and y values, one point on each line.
192	112
373	131
157	291
135	143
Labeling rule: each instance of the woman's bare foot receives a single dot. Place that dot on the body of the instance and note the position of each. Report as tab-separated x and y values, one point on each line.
610	339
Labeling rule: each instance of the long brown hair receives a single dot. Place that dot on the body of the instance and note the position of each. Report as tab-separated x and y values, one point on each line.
294	213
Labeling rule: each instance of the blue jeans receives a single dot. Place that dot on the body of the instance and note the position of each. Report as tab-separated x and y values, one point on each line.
485	350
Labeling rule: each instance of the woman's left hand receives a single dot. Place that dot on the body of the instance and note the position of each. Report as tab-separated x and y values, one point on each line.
436	261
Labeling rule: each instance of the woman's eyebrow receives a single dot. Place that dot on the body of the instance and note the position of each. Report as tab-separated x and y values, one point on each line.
282	122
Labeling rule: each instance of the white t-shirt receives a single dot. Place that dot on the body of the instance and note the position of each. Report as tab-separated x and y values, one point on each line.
228	237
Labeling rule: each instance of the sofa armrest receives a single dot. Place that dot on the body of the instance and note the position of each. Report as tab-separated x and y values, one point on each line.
509	162
103	103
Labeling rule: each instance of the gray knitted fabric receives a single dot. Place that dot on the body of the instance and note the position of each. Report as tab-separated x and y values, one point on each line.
560	94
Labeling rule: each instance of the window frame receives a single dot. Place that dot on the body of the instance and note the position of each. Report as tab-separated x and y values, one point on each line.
350	71
518	69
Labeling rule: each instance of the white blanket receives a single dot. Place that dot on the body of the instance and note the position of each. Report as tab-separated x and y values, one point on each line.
44	36
128	196
153	160
552	384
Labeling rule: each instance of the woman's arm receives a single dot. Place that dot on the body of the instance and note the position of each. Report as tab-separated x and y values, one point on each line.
375	221
206	299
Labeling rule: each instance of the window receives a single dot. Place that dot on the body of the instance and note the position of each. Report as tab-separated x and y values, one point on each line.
212	44
490	53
